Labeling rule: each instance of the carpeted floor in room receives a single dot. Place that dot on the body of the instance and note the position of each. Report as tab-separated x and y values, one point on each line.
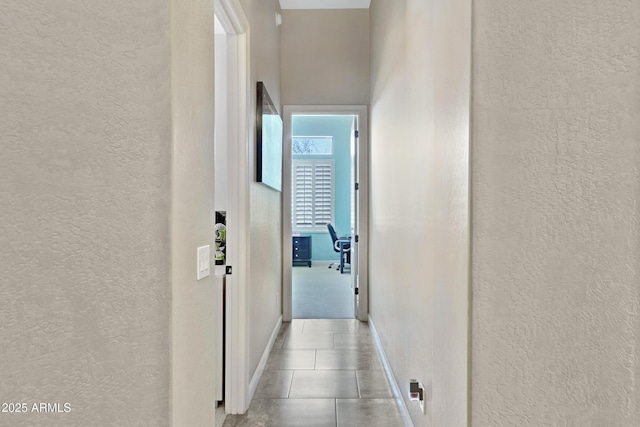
321	293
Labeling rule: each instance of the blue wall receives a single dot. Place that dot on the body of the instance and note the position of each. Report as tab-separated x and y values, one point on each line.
340	128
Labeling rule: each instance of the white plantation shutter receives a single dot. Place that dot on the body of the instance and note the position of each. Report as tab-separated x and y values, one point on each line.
323	191
313	199
303	195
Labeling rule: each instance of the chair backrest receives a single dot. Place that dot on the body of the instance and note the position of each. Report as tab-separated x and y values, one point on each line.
334	236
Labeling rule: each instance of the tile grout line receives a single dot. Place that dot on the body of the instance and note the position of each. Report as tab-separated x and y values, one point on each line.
291	383
352	402
293	373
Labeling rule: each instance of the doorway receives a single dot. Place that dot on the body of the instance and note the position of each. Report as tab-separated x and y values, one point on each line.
324	175
322	171
232	196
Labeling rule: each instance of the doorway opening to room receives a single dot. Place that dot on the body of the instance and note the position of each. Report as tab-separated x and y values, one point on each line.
322	196
322	178
230	223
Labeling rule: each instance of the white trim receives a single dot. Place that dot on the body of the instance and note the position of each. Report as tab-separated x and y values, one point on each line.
363	213
397	394
236	25
219	310
287	231
263	360
231	16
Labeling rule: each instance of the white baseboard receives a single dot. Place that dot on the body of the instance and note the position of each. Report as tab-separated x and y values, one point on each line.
263	360
397	394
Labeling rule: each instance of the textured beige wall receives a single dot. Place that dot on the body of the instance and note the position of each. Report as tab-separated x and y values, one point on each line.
85	291
325	57
193	315
265	280
420	78
556	187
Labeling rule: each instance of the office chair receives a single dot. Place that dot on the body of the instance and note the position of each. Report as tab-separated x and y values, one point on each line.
342	245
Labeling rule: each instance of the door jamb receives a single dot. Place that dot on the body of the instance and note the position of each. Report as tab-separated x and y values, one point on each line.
363	214
236	25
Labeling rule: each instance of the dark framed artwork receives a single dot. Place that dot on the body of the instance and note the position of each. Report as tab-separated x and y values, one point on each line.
269	141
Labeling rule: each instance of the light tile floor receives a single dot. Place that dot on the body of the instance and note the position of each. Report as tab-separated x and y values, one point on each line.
322	373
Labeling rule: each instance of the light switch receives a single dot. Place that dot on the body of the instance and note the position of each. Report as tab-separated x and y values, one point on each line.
204	261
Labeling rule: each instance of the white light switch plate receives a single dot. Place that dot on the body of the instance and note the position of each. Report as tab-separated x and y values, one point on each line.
204	262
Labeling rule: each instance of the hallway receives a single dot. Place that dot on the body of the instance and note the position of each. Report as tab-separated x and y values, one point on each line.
499	229
322	373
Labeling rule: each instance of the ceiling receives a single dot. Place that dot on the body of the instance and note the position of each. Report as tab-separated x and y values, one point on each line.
325	4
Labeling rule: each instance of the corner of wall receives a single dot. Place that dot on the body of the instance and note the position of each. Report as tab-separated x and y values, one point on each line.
192	217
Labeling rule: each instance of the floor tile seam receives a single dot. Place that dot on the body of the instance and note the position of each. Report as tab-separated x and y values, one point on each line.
328	370
325	370
336	369
282	399
291	384
294	398
316	398
357	384
366	398
342	369
309	348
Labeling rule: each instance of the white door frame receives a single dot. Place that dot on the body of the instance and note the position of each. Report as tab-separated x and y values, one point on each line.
363	214
236	25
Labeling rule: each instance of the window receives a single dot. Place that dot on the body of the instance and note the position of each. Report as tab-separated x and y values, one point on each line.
314	145
312	194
